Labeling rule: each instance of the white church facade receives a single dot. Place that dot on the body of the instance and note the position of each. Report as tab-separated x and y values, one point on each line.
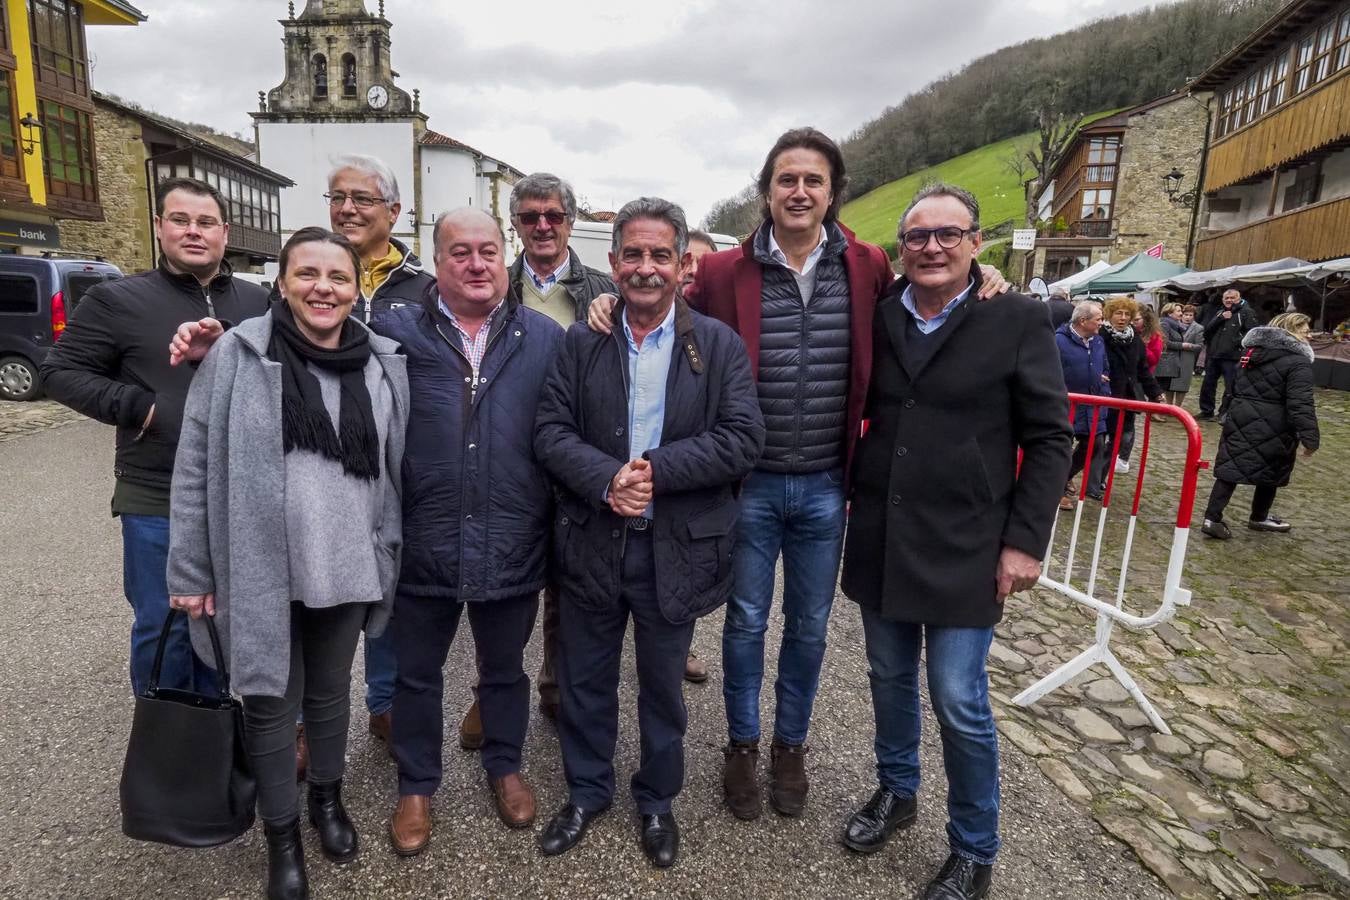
339	96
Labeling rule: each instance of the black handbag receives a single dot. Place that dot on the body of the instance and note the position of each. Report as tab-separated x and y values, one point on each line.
186	780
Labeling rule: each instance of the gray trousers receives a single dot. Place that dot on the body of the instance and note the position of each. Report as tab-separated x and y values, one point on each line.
323	643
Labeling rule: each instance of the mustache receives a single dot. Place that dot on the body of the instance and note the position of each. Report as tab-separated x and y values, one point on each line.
650	281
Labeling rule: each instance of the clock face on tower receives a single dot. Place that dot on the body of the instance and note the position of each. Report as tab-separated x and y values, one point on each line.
377	96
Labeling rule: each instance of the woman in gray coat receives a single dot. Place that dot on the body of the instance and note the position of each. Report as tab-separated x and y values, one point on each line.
286	527
1183	338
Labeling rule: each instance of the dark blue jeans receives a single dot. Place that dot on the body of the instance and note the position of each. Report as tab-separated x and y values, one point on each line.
958	686
423	630
145	562
590	648
381	672
801	517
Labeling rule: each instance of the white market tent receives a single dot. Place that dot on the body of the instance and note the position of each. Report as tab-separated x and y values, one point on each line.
1072	283
1291	269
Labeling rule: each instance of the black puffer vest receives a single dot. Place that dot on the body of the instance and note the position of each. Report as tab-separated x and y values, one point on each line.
804	361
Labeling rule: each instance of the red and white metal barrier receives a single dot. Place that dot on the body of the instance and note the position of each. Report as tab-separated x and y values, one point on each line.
1094	592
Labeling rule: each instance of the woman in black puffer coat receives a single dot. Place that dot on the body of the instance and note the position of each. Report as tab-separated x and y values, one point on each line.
1272	414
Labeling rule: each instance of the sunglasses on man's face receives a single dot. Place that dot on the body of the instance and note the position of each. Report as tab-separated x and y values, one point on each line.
532	218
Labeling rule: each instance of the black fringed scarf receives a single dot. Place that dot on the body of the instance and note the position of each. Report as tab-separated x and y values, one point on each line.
305	423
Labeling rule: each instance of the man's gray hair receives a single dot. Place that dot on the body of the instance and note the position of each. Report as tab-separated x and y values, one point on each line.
943	189
652	208
1085	310
544	186
459	213
372	166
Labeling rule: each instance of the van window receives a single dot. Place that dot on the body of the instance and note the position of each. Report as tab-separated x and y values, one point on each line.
77	284
18	295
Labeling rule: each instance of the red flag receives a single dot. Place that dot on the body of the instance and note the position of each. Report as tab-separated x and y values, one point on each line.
1155	251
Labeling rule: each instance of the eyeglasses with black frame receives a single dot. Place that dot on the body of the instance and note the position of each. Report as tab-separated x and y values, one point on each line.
553	216
338	199
948	237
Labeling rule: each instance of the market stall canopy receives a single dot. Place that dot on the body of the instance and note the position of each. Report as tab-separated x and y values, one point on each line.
1071	283
1289	271
1126	276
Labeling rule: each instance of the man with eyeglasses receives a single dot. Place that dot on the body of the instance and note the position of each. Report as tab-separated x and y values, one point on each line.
550	278
363	205
111	364
945	522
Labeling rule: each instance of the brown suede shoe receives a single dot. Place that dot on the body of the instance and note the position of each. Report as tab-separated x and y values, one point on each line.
382	725
410	828
550	708
695	672
787	778
515	800
301	752
740	779
471	729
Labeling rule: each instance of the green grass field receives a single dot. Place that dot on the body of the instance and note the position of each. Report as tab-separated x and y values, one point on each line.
983	172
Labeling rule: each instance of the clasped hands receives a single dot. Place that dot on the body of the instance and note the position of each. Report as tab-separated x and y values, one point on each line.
630	490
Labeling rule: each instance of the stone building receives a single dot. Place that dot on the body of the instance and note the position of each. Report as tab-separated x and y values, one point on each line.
136	145
1106	198
339	96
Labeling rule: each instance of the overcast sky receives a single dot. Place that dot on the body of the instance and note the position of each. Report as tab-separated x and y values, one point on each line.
680	100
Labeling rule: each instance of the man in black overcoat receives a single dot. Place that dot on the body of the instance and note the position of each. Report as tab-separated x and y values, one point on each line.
943	524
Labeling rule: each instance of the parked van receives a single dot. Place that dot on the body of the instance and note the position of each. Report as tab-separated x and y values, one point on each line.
592	241
38	295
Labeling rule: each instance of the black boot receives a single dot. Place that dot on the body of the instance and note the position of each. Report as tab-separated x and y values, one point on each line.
337	835
285	863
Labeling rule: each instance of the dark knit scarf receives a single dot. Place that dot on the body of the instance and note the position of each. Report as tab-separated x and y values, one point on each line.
305	423
1121	337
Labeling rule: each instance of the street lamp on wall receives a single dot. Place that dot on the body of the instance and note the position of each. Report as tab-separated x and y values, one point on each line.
30	124
1172	185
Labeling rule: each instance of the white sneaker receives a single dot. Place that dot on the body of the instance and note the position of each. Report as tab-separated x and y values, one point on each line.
1122	465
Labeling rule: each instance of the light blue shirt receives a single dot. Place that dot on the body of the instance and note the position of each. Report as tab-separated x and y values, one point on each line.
648	371
928	326
553	277
777	255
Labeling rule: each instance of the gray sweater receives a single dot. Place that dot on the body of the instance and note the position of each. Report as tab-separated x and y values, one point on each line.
245	517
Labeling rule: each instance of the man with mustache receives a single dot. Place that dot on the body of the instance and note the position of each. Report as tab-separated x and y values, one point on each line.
647	433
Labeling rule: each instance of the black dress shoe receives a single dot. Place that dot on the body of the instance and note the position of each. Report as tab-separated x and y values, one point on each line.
959	879
869	828
566	828
660	839
337	835
285	863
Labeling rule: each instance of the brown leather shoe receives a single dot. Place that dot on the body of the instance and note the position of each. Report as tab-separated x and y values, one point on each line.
695	672
301	752
410	828
740	779
515	800
471	729
787	778
381	725
550	708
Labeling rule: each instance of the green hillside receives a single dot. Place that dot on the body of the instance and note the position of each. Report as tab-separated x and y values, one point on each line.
983	172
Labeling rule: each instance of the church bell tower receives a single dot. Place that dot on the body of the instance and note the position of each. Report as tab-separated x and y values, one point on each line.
337	68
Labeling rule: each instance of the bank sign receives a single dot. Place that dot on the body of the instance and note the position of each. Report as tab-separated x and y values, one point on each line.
30	234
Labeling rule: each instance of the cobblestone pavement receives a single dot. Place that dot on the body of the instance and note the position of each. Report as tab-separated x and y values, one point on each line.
1248	795
18	419
65	710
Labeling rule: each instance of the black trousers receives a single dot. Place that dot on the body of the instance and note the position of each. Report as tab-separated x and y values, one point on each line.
323	642
1214	369
590	647
1101	449
424	629
1262	500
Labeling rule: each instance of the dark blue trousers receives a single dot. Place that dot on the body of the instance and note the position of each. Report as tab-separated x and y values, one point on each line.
590	647
424	628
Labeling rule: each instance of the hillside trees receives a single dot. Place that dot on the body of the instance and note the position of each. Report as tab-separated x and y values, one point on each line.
1106	64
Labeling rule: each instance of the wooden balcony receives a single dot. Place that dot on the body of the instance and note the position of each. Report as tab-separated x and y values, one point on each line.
1317	232
1308	122
1082	228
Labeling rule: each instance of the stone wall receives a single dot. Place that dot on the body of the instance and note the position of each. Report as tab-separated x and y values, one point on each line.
124	237
1167	136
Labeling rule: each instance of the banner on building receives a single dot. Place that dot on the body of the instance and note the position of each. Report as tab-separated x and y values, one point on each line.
1024	239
